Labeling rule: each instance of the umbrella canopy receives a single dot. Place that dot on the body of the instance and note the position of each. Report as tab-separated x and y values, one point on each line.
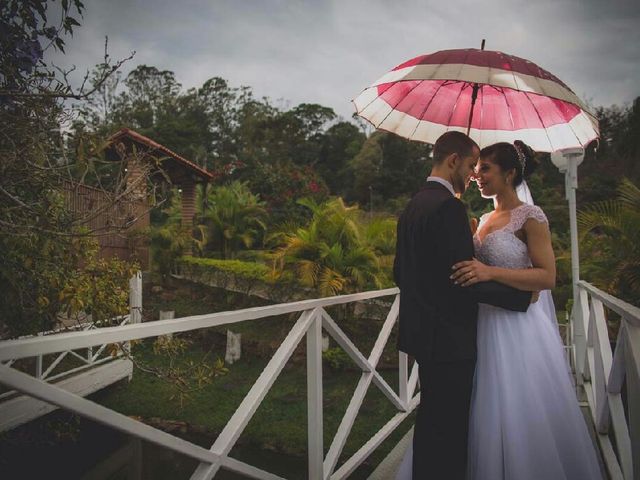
516	100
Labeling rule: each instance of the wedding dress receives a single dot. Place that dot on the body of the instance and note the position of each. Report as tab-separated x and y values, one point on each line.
525	422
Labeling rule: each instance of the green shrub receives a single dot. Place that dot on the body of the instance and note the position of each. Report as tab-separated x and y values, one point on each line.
252	270
251	255
336	358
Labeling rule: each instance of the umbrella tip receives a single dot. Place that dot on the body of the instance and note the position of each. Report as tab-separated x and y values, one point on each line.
482	45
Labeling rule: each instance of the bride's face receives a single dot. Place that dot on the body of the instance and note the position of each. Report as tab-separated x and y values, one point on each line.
490	178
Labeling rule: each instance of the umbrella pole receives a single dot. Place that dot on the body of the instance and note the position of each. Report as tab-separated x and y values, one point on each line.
474	96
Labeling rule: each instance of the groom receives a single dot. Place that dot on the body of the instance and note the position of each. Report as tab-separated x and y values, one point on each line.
438	318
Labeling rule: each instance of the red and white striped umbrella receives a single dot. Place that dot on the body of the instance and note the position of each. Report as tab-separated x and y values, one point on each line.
516	100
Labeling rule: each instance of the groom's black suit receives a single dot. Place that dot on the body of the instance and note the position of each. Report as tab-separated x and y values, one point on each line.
438	325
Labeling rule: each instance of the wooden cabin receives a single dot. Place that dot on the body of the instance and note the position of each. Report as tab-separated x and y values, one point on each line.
120	220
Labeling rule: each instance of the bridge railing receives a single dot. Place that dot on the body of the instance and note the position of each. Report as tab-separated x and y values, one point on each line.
606	374
313	318
51	369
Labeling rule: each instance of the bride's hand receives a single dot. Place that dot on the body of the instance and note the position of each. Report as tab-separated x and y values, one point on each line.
473	224
469	272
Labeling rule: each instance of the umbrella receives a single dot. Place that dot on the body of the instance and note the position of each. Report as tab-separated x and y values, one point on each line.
492	96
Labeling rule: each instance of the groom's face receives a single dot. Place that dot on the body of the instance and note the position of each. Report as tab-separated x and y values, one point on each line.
463	171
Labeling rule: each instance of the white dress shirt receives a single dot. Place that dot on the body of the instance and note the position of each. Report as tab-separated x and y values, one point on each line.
442	181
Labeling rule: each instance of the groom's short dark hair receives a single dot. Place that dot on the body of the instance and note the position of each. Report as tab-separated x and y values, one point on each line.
453	142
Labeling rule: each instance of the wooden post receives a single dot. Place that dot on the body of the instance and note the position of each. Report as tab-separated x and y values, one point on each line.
234	347
135	298
188	209
135	306
314	399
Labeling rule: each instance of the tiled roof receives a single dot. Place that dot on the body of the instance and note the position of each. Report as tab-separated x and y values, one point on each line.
135	136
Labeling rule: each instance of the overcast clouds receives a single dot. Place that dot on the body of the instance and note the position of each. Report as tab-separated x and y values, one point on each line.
326	52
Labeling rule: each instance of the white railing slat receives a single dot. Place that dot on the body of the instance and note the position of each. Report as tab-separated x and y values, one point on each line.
403	377
368	367
605	373
616	377
30	347
314	397
239	420
621	434
248	470
54	364
600	341
363	453
345	343
413	379
383	336
346	424
622	308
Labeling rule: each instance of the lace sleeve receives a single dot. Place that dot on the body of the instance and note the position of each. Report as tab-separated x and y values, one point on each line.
520	215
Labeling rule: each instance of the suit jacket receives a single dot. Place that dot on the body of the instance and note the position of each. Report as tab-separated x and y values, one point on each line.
437	318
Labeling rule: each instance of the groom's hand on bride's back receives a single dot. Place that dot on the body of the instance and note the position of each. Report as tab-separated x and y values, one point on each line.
535	296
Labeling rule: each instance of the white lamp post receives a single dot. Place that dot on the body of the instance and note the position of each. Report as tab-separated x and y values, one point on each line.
567	161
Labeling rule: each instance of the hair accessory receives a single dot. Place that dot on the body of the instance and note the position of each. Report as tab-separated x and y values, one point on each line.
521	156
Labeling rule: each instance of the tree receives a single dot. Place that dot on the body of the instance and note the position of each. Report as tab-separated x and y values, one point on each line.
223	106
149	98
388	166
617	154
50	263
306	131
340	144
233	216
366	166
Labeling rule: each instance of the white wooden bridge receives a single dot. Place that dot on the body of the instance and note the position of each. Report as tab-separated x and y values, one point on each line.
609	380
599	371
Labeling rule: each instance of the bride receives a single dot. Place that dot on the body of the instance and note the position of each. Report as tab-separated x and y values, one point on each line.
525	422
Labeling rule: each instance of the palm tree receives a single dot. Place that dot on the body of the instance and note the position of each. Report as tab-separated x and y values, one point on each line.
329	254
610	243
233	216
380	235
169	240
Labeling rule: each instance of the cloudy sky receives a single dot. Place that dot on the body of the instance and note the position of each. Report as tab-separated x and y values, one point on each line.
326	52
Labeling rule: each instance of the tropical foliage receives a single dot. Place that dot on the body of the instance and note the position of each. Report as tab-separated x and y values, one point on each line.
330	253
610	240
233	217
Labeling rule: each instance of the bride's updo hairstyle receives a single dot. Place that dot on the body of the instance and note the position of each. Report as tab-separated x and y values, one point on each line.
509	156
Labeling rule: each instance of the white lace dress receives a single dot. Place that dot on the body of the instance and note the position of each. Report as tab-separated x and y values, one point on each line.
525	419
525	422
